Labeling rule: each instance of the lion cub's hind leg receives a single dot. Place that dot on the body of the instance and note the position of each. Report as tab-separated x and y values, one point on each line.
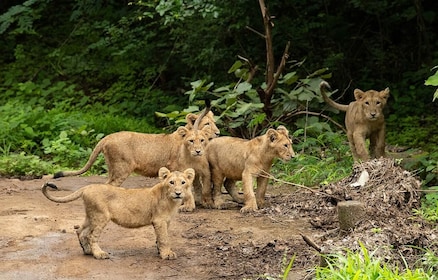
98	220
83	235
230	186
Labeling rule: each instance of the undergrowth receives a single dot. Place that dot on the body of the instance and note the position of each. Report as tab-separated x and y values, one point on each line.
362	265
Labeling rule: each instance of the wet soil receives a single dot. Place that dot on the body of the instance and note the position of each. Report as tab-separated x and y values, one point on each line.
38	240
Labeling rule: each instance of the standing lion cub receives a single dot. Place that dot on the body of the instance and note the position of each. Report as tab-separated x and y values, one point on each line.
363	119
130	208
233	159
126	152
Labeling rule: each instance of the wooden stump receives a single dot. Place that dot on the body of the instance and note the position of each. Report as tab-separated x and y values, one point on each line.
350	213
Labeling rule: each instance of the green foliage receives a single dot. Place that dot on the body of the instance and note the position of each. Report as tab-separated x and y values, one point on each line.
240	109
23	165
362	265
36	135
23	17
433	81
429	206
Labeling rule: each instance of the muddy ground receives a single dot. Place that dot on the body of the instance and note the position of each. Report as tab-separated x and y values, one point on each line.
38	240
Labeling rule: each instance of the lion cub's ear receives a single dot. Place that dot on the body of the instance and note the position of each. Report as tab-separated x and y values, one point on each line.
358	94
272	134
182	131
190	173
163	173
385	93
283	130
206	130
191	118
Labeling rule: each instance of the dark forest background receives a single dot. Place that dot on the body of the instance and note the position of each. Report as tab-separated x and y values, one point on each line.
124	61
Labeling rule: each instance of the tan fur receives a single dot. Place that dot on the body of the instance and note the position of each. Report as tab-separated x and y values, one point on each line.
363	119
192	155
208	121
239	159
127	152
130	208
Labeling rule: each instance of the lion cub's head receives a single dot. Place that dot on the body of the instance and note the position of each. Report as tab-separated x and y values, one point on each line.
281	143
206	122
372	102
178	183
195	140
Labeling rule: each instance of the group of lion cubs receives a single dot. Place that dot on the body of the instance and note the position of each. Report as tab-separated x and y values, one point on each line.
208	162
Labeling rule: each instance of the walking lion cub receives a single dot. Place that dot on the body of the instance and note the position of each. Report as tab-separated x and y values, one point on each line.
363	119
130	208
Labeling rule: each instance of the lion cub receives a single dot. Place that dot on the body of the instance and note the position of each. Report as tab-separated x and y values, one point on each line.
239	159
363	119
130	208
126	152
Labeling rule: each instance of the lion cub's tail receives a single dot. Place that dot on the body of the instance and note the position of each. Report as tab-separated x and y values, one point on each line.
73	196
323	86
87	166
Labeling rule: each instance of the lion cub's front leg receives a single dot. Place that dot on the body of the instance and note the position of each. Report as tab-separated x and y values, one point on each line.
248	193
163	240
188	203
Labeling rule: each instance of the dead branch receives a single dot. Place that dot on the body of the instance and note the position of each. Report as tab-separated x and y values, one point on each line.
255	31
311	243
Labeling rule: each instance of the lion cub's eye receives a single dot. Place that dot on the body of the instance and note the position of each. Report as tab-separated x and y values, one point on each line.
202	140
183	182
367	103
172	182
191	141
207	124
378	103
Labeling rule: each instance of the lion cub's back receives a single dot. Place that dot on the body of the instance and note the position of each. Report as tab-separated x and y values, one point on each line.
228	153
140	147
130	208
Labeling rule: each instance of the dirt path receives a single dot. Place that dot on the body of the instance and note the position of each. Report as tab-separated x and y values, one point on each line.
38	241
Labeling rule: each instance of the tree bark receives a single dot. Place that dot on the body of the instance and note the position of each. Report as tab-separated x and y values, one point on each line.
272	76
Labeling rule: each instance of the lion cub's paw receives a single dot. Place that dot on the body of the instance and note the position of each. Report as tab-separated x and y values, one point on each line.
208	203
249	208
186	208
263	204
167	255
101	255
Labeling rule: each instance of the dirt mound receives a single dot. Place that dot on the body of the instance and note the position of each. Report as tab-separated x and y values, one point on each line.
388	227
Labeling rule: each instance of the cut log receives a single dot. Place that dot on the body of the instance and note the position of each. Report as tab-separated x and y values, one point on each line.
350	213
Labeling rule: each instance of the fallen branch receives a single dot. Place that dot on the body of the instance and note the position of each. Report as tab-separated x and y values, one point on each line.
311	243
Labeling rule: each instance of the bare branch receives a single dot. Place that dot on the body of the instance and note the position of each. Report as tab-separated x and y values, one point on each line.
255	31
280	69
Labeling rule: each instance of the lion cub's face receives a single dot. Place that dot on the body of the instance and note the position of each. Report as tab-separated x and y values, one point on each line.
372	102
208	123
281	143
195	140
178	183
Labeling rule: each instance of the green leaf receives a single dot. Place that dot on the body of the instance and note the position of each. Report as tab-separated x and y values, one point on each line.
290	78
432	80
235	66
243	87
